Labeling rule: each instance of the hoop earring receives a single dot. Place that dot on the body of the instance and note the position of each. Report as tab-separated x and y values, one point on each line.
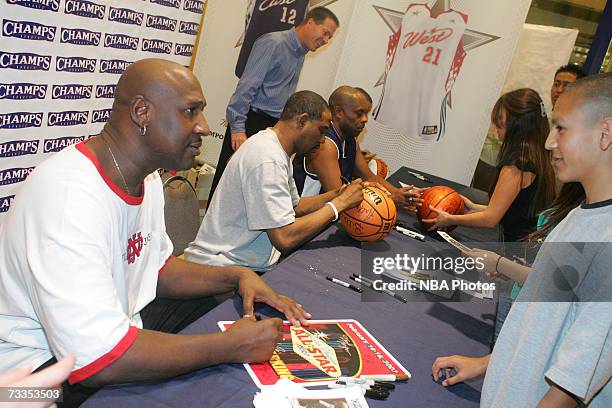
143	130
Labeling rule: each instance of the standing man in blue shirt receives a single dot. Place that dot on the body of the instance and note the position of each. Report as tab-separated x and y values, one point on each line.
269	78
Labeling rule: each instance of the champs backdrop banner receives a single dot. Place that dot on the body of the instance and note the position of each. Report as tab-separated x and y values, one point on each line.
434	70
60	61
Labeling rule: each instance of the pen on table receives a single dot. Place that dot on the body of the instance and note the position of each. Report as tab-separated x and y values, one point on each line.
361	381
345	284
369	284
410	233
420	176
386	377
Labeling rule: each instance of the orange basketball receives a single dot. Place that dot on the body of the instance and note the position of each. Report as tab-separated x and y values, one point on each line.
379	167
373	219
442	198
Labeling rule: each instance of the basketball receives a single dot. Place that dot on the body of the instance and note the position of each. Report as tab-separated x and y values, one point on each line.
379	167
442	198
373	219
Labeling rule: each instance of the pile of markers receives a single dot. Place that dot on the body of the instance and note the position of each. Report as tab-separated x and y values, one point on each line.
374	389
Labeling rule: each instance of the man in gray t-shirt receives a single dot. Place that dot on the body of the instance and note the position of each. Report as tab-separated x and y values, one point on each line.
555	348
256	213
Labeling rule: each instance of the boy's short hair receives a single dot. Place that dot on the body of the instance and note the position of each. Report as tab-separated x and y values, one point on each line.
595	92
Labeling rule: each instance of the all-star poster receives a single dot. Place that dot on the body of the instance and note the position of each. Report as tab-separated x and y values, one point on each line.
322	352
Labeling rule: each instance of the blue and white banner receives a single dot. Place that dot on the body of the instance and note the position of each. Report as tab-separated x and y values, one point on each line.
60	61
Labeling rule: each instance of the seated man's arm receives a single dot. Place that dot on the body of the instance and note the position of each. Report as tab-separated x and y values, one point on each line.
180	279
155	355
324	163
400	196
289	237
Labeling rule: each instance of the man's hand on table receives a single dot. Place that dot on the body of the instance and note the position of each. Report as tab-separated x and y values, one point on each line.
253	289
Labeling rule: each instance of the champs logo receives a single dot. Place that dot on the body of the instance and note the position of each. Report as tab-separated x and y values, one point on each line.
47	5
195	6
80	37
134	247
187	27
20	120
156	46
168	3
68	118
71	91
75	64
15	175
125	16
85	8
105	91
5	203
55	145
18	148
161	23
23	91
121	41
185	50
113	66
102	115
25	61
28	30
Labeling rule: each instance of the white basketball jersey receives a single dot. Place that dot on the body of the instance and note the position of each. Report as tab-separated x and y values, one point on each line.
423	59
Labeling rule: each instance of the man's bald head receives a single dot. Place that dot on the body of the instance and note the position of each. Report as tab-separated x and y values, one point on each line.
342	97
595	95
151	78
350	108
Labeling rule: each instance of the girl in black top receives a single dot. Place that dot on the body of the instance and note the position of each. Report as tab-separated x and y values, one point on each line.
525	183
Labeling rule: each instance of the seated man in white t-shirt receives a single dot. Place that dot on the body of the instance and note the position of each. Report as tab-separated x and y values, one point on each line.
85	261
256	213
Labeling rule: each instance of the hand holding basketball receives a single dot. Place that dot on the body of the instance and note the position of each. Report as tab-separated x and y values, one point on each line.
349	195
442	220
439	206
372	219
470	206
408	198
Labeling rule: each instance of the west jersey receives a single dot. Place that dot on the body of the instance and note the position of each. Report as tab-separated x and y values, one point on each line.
423	60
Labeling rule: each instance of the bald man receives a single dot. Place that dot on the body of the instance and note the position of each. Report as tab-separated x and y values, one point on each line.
85	261
339	159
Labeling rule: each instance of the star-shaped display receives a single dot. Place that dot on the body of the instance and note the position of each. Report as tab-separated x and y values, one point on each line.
311	4
471	39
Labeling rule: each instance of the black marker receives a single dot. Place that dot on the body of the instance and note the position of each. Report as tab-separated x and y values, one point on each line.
420	176
343	283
